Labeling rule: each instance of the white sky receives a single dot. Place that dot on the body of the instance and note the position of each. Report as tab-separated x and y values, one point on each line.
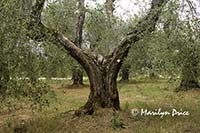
128	8
123	8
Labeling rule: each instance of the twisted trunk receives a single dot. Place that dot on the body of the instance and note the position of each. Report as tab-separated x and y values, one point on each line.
103	72
103	91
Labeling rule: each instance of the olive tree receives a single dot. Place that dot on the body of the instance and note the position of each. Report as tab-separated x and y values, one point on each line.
102	72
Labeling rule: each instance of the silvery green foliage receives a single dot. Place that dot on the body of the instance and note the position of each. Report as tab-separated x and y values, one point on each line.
174	44
19	58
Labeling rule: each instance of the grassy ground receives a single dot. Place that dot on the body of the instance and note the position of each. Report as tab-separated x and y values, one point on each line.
140	95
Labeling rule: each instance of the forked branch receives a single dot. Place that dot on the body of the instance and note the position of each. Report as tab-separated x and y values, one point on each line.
144	26
38	31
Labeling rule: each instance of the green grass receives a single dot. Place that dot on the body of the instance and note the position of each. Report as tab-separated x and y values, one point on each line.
146	95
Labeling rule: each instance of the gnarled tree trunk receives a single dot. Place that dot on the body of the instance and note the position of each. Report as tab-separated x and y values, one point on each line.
189	75
103	91
103	72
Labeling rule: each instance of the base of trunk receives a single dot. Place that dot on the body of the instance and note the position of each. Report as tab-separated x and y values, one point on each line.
125	73
95	104
188	85
153	76
89	110
77	77
123	81
76	85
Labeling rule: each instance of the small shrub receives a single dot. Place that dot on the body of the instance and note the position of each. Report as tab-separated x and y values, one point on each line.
117	123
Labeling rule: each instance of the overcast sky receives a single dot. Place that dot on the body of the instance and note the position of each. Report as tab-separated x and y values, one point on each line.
128	8
123	8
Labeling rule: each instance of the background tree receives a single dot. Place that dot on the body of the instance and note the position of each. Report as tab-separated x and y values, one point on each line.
77	73
72	24
183	35
18	59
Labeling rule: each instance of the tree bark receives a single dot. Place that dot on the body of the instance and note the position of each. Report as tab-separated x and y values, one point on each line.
77	72
125	73
109	8
188	82
152	76
103	72
189	75
77	76
104	93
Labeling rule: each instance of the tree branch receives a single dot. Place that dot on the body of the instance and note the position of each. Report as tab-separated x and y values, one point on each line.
109	9
145	26
39	32
80	23
192	8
